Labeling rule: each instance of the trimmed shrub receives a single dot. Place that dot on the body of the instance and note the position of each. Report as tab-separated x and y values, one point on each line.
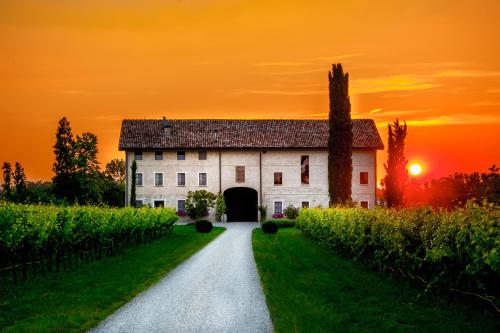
203	226
283	223
291	212
456	250
270	227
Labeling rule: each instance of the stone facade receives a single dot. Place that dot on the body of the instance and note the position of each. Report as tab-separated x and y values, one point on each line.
259	168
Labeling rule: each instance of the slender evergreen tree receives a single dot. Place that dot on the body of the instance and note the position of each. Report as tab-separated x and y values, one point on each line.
64	165
339	138
20	183
397	176
132	187
7	181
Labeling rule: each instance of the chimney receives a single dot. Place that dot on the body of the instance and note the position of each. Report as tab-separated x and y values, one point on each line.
167	127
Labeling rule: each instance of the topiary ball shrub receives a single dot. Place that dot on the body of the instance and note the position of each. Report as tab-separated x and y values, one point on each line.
203	226
270	227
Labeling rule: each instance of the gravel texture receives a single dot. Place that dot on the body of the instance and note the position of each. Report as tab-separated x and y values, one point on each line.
216	290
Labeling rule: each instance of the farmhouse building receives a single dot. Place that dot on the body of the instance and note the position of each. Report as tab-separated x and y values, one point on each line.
273	163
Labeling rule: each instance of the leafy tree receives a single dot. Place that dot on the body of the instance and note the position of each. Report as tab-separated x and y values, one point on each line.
86	173
132	187
339	138
198	203
64	165
397	175
115	170
40	193
19	183
7	181
220	207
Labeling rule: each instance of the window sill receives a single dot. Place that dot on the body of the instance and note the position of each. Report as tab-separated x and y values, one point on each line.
158	185
181	185
202	185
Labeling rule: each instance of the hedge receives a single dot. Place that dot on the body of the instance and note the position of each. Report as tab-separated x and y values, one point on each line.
457	250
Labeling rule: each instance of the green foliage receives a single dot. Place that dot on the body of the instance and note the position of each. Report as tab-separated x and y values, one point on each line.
64	162
397	175
198	203
291	212
19	183
60	236
133	168
7	181
340	137
203	226
263	213
446	250
270	227
220	207
284	223
310	288
115	170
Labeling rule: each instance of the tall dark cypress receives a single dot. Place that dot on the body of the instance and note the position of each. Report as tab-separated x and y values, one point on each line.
340	137
397	176
64	164
7	181
132	187
20	183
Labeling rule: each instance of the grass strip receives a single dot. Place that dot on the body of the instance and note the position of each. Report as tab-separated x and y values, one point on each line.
77	300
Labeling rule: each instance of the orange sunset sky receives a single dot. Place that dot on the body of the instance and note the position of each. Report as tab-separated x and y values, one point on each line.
435	64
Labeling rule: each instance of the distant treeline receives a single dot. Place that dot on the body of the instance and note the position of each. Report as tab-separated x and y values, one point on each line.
78	178
455	190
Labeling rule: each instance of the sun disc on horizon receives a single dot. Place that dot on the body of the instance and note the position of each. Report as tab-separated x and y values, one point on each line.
415	169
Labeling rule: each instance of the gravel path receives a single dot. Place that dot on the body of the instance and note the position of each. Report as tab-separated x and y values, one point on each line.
216	290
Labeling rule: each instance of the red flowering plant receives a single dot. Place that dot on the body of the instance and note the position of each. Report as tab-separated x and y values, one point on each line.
278	215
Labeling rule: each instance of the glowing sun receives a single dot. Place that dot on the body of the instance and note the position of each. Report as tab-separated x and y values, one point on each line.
415	169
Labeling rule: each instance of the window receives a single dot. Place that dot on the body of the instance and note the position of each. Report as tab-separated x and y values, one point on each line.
159	203
363	178
139	203
202	155
181	155
240	174
304	169
278	178
158	155
181	179
138	179
364	204
181	205
278	207
305	204
158	179
138	155
202	179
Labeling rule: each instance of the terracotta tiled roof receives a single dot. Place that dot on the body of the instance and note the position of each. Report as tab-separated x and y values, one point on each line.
228	134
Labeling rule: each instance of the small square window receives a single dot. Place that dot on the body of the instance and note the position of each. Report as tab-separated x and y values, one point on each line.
181	155
202	155
138	179
138	155
305	204
159	203
364	204
202	179
278	178
278	207
181	205
240	174
158	179
363	178
139	203
158	155
181	179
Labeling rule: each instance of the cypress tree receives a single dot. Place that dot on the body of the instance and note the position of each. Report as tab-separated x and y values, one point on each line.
64	164
397	175
132	187
20	183
339	138
6	186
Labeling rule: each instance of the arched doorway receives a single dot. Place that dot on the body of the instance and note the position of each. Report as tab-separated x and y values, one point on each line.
241	204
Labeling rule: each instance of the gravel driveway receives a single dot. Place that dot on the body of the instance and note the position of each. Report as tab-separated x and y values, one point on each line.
216	290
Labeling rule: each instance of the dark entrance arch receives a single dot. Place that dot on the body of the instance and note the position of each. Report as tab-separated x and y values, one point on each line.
241	204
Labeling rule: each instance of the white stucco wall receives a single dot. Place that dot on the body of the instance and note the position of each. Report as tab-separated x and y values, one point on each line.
291	192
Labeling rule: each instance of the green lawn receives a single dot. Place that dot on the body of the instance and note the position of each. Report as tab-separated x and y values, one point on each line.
78	300
309	288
